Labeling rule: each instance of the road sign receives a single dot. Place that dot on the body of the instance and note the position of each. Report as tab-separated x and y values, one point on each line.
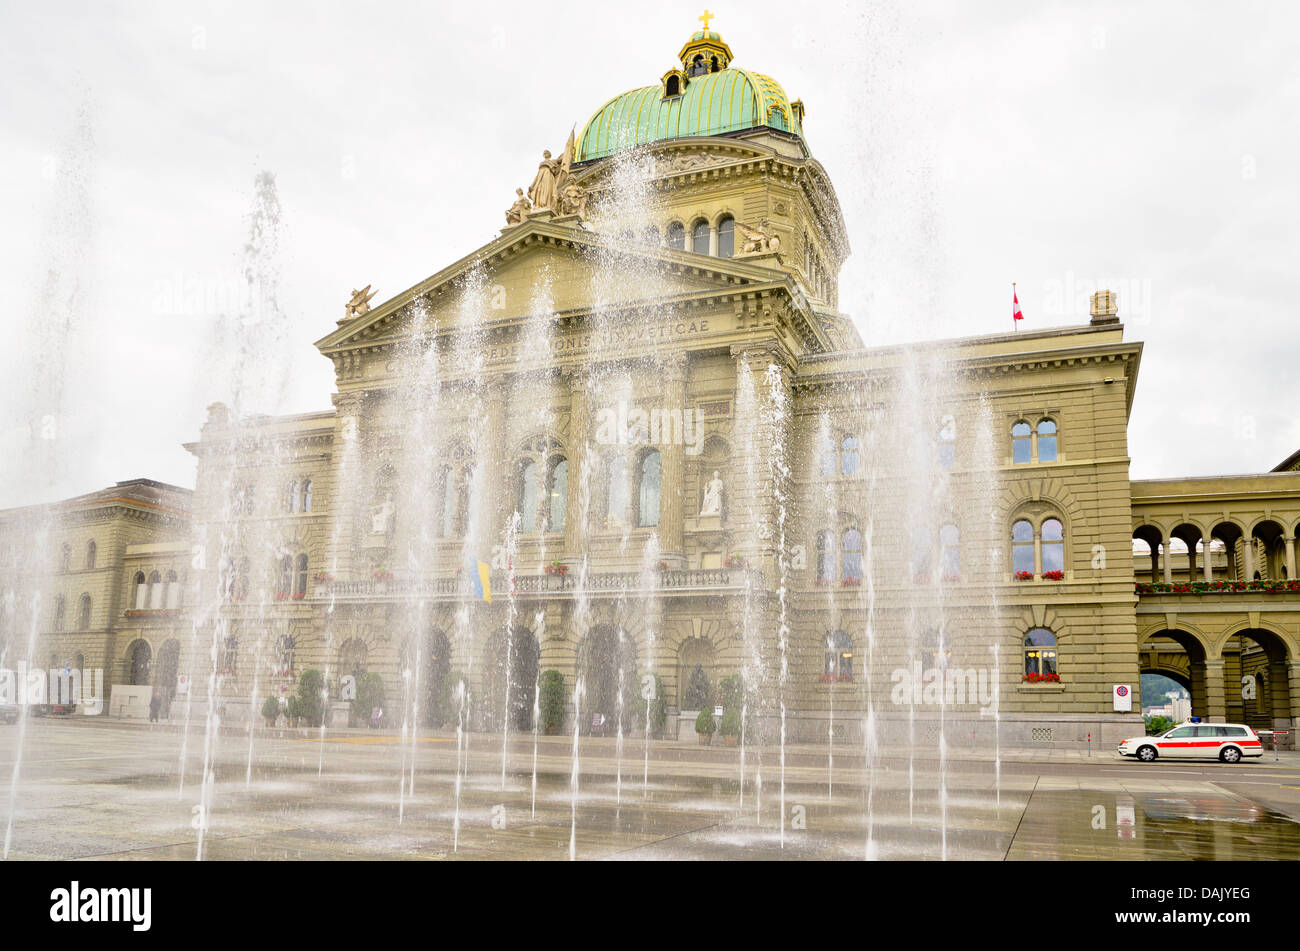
1122	698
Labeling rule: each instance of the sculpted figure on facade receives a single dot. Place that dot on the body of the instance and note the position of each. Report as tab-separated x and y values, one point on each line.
573	199
381	516
711	504
359	303
757	240
516	213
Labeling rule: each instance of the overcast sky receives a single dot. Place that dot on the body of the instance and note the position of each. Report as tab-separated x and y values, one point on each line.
1152	148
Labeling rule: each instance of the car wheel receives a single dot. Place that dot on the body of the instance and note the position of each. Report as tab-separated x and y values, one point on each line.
1231	755
1146	753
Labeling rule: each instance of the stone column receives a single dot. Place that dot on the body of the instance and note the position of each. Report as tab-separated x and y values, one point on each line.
349	494
1248	557
1293	676
1214	706
672	456
1191	562
1290	558
1207	569
1169	563
580	461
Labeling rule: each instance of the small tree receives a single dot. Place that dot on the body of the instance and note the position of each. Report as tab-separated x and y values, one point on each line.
370	694
311	702
704	722
698	690
1158	724
730	725
292	707
551	701
271	710
731	693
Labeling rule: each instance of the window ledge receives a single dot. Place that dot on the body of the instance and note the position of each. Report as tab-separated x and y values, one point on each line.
1039	688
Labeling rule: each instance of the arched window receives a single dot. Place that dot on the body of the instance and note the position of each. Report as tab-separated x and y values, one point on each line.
306	495
90	554
852	546
83	617
700	237
529	490
557	491
1022	548
830	460
65	557
673	87
726	236
947	443
825	557
173	590
950	553
300	589
155	591
352	657
1046	440
677	236
59	612
1053	538
291	503
447	524
229	655
839	656
648	484
849	455
616	493
1040	653
286	576
1021	443
141	591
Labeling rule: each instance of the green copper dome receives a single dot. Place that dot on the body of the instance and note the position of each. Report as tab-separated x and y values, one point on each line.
707	96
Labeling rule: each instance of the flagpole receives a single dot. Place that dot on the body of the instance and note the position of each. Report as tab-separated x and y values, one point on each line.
1014	328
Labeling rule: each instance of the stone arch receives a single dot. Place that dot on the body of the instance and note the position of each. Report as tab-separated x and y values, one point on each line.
167	668
605	653
1262	652
1267	536
514	664
1180	653
137	662
697	671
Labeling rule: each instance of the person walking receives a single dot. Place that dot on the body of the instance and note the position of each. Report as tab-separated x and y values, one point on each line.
155	704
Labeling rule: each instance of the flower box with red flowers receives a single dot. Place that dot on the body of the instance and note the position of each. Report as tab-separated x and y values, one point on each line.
322	577
1219	587
299	595
1024	576
282	596
735	561
1053	575
822	582
663	566
556	568
851	583
381	574
1041	678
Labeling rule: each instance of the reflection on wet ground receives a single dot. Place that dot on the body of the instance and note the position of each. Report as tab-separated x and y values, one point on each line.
115	793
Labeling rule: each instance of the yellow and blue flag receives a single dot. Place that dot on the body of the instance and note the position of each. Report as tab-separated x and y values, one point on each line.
480	580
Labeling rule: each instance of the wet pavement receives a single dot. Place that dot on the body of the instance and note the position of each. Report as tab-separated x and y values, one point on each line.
115	791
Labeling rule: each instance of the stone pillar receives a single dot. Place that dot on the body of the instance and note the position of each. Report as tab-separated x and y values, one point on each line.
1290	558
1207	569
1248	557
580	461
1214	706
1169	563
1191	562
349	496
672	455
1293	676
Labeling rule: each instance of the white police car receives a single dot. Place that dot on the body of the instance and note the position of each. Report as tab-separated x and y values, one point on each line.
1228	742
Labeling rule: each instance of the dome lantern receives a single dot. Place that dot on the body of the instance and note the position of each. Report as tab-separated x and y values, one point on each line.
705	52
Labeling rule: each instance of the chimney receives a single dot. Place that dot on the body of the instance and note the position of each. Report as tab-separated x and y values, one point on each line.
1105	308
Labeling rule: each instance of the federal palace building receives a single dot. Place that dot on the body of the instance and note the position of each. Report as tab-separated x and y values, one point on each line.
642	410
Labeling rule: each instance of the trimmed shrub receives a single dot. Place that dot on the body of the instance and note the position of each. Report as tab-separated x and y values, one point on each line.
311	702
704	722
730	723
370	694
551	701
271	709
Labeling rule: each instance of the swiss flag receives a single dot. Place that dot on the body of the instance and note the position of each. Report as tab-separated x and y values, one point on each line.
1015	305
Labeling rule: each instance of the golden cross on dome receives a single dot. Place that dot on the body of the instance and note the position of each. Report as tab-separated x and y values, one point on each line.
705	19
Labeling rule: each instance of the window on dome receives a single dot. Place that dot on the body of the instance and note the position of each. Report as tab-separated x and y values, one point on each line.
698	66
726	236
673	87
